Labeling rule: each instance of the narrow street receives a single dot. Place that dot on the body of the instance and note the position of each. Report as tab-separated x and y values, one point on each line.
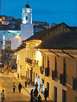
6	83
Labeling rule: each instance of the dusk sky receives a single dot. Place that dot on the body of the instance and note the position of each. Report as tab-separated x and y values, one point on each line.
52	11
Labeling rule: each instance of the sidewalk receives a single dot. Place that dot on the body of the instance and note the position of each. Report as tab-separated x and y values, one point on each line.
25	90
16	97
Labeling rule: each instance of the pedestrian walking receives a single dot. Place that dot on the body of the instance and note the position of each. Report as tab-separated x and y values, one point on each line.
43	88
46	94
32	94
14	87
36	85
2	96
39	98
19	87
35	99
35	92
39	84
36	79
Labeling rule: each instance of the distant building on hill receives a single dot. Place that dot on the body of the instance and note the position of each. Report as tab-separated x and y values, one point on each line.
17	30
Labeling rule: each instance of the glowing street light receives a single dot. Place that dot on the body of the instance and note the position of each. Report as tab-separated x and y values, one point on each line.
38	57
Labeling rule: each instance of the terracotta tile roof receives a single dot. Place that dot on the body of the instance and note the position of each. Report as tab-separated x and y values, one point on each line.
66	40
45	34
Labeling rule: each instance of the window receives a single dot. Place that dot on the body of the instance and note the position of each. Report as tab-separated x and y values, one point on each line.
55	94
74	83
63	96
42	67
54	73
63	75
64	71
48	88
62	79
26	17
47	70
41	70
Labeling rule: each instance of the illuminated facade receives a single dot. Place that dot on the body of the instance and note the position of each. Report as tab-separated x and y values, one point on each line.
21	68
60	66
56	67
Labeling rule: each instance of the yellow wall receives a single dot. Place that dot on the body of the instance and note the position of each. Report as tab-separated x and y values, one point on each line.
30	52
21	61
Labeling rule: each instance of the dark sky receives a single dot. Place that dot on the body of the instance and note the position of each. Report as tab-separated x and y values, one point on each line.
52	11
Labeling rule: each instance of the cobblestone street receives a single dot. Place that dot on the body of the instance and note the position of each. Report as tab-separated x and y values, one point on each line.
6	83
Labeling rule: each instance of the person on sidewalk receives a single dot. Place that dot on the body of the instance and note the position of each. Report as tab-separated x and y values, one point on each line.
36	79
39	84
2	96
19	87
32	94
35	99
36	92
39	98
14	87
42	87
46	94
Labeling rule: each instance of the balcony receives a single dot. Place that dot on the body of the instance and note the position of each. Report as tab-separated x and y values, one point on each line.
28	60
63	79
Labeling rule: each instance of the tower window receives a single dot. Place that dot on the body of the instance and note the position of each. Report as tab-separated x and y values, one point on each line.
26	17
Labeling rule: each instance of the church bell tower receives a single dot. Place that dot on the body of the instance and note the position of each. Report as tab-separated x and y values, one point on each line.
27	14
26	26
